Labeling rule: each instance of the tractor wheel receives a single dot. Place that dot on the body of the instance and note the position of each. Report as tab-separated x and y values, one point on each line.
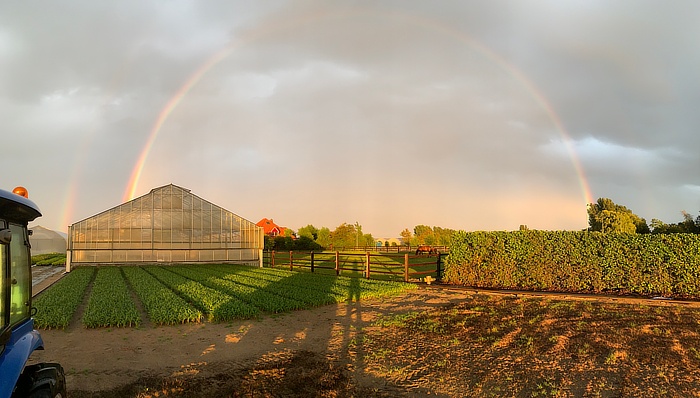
44	393
43	380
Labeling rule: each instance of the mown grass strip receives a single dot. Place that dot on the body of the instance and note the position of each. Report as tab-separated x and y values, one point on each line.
110	302
163	306
217	305
56	305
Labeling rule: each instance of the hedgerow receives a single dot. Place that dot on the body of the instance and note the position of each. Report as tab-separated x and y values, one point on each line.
572	261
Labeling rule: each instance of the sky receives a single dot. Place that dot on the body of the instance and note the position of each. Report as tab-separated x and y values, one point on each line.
469	115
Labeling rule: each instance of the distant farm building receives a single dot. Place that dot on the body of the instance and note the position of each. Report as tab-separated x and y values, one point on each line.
44	241
167	225
270	228
388	242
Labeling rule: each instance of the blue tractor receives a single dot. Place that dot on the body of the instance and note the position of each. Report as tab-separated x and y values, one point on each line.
18	339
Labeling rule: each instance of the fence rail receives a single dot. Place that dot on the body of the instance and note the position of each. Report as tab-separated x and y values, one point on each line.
401	266
388	249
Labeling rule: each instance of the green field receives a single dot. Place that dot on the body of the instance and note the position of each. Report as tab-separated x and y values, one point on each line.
112	296
49	259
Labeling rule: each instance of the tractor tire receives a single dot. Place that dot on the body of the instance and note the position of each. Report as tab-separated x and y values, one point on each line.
43	393
43	380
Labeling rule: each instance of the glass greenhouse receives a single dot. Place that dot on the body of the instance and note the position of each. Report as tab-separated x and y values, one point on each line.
169	224
44	241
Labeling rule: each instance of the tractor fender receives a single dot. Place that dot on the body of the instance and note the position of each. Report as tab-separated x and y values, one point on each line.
23	341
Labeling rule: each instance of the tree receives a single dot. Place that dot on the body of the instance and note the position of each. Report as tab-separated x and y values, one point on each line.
606	216
657	225
344	235
309	231
367	240
324	237
423	235
687	226
432	236
443	235
406	237
305	243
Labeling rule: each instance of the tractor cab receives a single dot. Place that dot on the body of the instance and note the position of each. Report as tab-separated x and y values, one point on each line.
18	339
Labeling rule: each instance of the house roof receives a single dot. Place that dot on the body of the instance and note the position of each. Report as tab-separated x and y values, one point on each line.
270	228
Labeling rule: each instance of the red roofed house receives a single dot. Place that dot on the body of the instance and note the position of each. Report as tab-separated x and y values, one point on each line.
270	228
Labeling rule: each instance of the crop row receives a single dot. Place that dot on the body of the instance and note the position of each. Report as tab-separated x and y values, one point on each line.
49	259
261	299
110	302
163	306
179	294
286	287
57	305
345	288
218	305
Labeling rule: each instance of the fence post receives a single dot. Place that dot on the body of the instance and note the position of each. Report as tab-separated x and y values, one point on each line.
272	259
312	261
405	267
291	260
367	265
439	271
337	263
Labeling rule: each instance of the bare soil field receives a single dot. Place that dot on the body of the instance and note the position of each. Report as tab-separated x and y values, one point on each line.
429	342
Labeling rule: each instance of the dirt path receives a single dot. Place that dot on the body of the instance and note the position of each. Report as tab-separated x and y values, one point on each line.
44	276
102	359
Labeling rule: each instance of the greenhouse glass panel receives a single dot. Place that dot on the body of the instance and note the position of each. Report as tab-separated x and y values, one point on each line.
169	224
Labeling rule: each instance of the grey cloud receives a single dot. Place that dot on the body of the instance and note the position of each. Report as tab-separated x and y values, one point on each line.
353	103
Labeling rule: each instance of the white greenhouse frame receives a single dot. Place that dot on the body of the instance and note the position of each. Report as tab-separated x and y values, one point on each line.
167	225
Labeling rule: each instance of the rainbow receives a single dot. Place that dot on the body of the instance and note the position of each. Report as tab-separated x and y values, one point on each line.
71	194
278	26
163	116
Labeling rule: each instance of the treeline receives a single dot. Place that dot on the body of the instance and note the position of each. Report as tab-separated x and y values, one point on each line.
351	235
606	216
312	238
425	235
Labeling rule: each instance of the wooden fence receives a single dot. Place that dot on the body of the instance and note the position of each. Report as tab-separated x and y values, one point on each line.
388	249
406	266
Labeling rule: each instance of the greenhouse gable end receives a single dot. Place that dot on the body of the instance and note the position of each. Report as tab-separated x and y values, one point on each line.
167	225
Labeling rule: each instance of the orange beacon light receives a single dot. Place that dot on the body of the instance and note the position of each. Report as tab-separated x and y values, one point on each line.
21	191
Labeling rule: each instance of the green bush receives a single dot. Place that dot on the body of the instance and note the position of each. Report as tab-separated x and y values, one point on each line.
573	261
